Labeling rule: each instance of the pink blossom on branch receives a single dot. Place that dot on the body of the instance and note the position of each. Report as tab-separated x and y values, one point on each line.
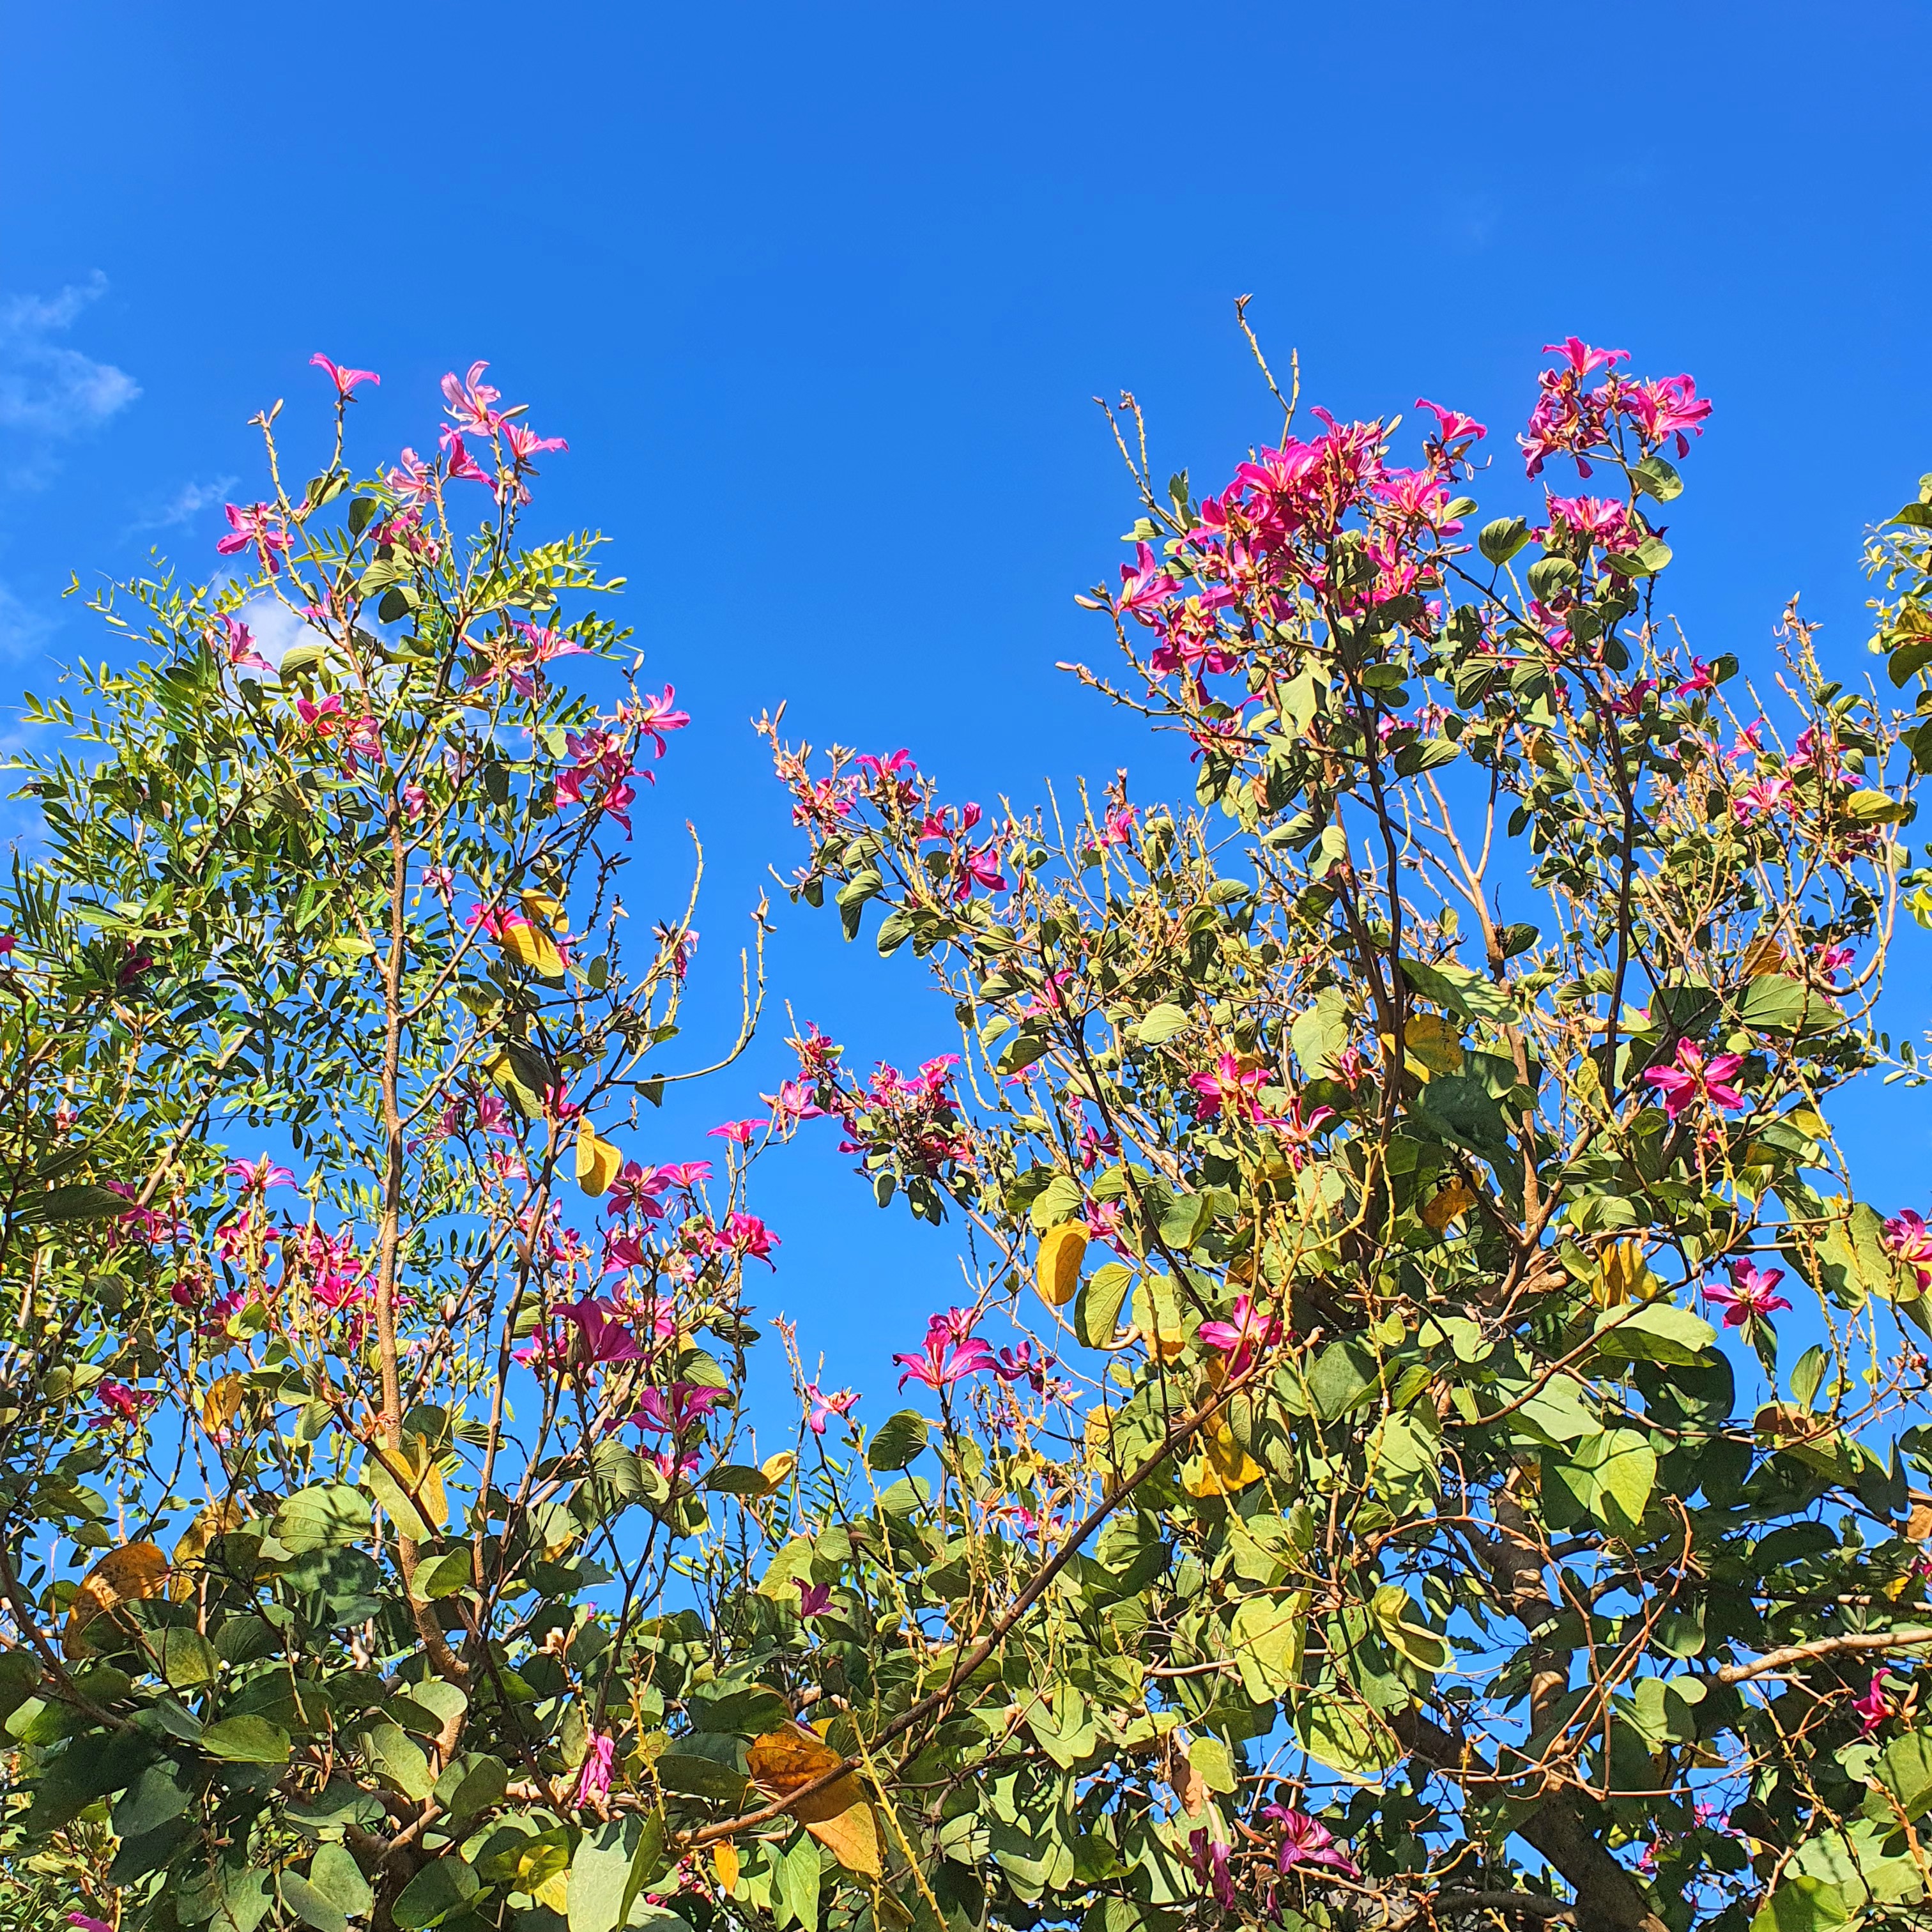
1307	1841
952	1351
345	380
256	526
1752	1296
1689	1078
821	1407
1240	1339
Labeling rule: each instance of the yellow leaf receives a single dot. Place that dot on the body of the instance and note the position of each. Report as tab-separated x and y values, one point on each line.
852	1838
782	1762
1061	1251
545	910
220	1403
1623	1276
777	1469
1763	954
554	1892
530	946
1450	1203
1432	1044
597	1160
216	1519
1226	1468
134	1570
725	1863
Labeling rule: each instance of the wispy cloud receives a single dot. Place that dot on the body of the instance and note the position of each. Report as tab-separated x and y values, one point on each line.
186	504
50	392
24	632
277	629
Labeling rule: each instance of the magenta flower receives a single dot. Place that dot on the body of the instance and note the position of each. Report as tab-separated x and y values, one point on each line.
1209	1861
603	1335
824	1407
1752	1296
739	1132
1700	679
84	1924
952	1351
1298	1133
896	765
1689	1077
1832	960
236	646
263	1174
344	379
813	1599
469	401
747	1237
1307	1841
121	1404
655	716
1872	1709
593	1781
1910	1242
687	1402
1251	1331
1229	1087
1145	586
256	525
1022	1364
1769	792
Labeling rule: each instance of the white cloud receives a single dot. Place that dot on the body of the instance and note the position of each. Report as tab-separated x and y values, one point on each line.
187	503
24	632
50	392
278	629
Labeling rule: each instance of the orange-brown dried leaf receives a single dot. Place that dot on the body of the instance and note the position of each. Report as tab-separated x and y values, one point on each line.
123	1576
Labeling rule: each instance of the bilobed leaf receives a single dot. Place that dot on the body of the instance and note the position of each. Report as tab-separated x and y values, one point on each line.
839	1816
246	1739
1346	1737
438	1888
1622	1469
1266	1639
1658	1331
1214	1763
897	1440
1096	1310
1057	1271
1802	1903
1904	1768
600	1869
325	1515
597	1160
79	1201
1160	1024
126	1575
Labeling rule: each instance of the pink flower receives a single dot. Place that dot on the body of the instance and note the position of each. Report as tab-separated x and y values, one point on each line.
795	1100
344	379
1752	1297
1910	1242
1022	1364
594	1780
463	466
688	1402
469	401
813	1599
416	800
1662	409
1832	960
1872	1709
1306	1841
739	1132
602	1333
1298	1133
439	880
263	1174
1230	1087
655	716
1700	679
121	1404
256	525
1145	586
952	1351
824	1407
236	646
685	1174
747	1237
1209	1861
1690	1077
1452	426
8	943
1252	1330
1768	792
1117	828
84	1924
896	765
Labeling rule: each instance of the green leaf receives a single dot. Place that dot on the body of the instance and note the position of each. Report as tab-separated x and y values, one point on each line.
690	1776
187	1659
392	1751
1060	1200
1395	1617
1904	1768
1501	540
647	1865
1875	808
1801	1904
1346	1737
325	1516
435	1892
246	1739
898	1439
1320	1036
1658	1331
1161	1023
1265	1638
1096	1309
895	929
1656	478
1471	994
1215	1763
334	1873
313	1908
600	1872
1346	1376
80	1200
471	1784
1618	1468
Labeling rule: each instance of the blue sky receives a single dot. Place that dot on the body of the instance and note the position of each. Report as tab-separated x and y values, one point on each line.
820	297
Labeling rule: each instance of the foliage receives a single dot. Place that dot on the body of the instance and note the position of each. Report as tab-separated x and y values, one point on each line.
1361	1525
